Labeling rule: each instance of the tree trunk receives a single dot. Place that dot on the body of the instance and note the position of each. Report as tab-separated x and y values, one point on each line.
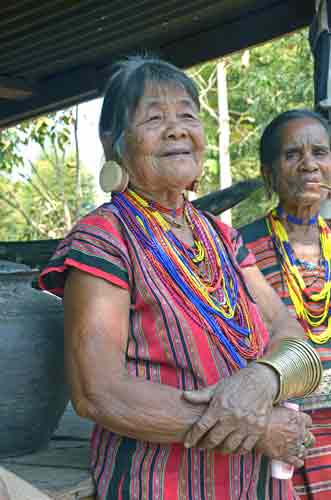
223	134
78	176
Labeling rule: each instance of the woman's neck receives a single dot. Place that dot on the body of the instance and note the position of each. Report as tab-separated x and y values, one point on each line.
301	223
167	199
303	214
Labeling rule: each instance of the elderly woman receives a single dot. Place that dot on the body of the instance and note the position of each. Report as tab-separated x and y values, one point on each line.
156	306
292	246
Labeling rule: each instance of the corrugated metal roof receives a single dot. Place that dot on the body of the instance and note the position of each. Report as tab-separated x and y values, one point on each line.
55	53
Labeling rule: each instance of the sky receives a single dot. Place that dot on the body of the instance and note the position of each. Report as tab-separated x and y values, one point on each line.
89	144
90	149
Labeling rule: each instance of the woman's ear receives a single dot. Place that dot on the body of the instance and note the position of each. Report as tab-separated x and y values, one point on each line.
106	142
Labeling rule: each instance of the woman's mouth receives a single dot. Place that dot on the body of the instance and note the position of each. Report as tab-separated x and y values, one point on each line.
174	153
311	181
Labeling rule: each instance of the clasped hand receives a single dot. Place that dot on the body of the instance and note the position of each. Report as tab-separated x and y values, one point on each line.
240	416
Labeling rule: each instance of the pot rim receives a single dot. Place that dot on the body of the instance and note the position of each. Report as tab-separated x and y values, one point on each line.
19	274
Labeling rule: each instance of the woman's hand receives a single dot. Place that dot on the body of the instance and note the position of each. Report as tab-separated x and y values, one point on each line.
287	437
239	410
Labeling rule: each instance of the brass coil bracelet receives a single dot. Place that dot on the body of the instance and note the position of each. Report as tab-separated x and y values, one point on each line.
298	366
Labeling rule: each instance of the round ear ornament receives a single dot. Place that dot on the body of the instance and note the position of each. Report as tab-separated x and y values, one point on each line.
113	177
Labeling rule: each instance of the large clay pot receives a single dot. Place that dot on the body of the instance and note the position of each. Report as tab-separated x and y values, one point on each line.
33	391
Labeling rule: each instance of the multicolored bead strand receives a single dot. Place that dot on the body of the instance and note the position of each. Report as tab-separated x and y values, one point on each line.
216	300
296	285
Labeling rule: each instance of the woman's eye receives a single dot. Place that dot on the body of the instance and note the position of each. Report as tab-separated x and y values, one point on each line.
321	152
154	118
291	155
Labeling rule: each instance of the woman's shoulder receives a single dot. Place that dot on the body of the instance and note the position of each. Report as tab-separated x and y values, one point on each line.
95	245
254	230
103	220
103	215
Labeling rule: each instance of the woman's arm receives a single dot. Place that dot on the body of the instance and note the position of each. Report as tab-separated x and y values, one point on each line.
96	334
274	313
208	431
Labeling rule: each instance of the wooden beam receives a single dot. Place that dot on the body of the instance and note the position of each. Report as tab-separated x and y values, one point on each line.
55	93
258	26
86	82
15	88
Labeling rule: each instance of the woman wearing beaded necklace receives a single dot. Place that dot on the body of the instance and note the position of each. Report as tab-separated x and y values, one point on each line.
162	335
292	245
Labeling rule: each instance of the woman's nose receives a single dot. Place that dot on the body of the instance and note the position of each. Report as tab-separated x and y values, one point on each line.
309	162
175	129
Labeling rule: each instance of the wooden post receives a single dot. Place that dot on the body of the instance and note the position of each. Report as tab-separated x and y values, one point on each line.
223	134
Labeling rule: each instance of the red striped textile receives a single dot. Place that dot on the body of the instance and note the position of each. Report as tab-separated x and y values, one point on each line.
313	482
164	346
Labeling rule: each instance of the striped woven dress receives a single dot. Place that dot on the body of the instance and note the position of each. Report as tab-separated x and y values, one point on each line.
313	481
166	346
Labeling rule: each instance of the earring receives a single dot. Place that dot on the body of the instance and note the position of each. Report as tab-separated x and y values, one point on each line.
194	186
113	177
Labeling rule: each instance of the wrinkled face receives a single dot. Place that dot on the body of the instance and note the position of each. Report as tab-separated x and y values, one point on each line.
165	141
304	161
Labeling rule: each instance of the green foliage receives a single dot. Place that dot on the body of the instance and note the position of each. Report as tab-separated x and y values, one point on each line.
40	200
279	76
53	129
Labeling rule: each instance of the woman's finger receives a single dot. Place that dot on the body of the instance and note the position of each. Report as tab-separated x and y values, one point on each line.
199	429
295	461
248	444
222	438
232	443
201	396
307	419
239	442
208	423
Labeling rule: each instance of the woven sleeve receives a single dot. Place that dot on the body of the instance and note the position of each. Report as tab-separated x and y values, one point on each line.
95	246
244	256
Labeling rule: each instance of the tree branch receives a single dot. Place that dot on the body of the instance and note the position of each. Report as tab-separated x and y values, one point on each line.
16	206
42	194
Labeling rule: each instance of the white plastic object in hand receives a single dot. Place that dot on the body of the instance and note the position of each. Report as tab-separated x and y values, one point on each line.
279	469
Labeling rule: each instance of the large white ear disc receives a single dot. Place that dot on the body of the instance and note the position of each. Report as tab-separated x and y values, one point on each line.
113	177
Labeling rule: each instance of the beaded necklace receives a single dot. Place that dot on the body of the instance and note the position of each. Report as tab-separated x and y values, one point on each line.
296	220
175	223
216	299
297	289
173	212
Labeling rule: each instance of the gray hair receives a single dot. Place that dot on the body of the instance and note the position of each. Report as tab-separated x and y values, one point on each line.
124	90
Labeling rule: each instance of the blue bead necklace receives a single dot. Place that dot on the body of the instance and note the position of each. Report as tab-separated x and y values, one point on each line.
296	220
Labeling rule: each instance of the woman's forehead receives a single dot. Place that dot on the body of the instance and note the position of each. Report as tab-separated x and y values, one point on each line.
164	93
303	130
